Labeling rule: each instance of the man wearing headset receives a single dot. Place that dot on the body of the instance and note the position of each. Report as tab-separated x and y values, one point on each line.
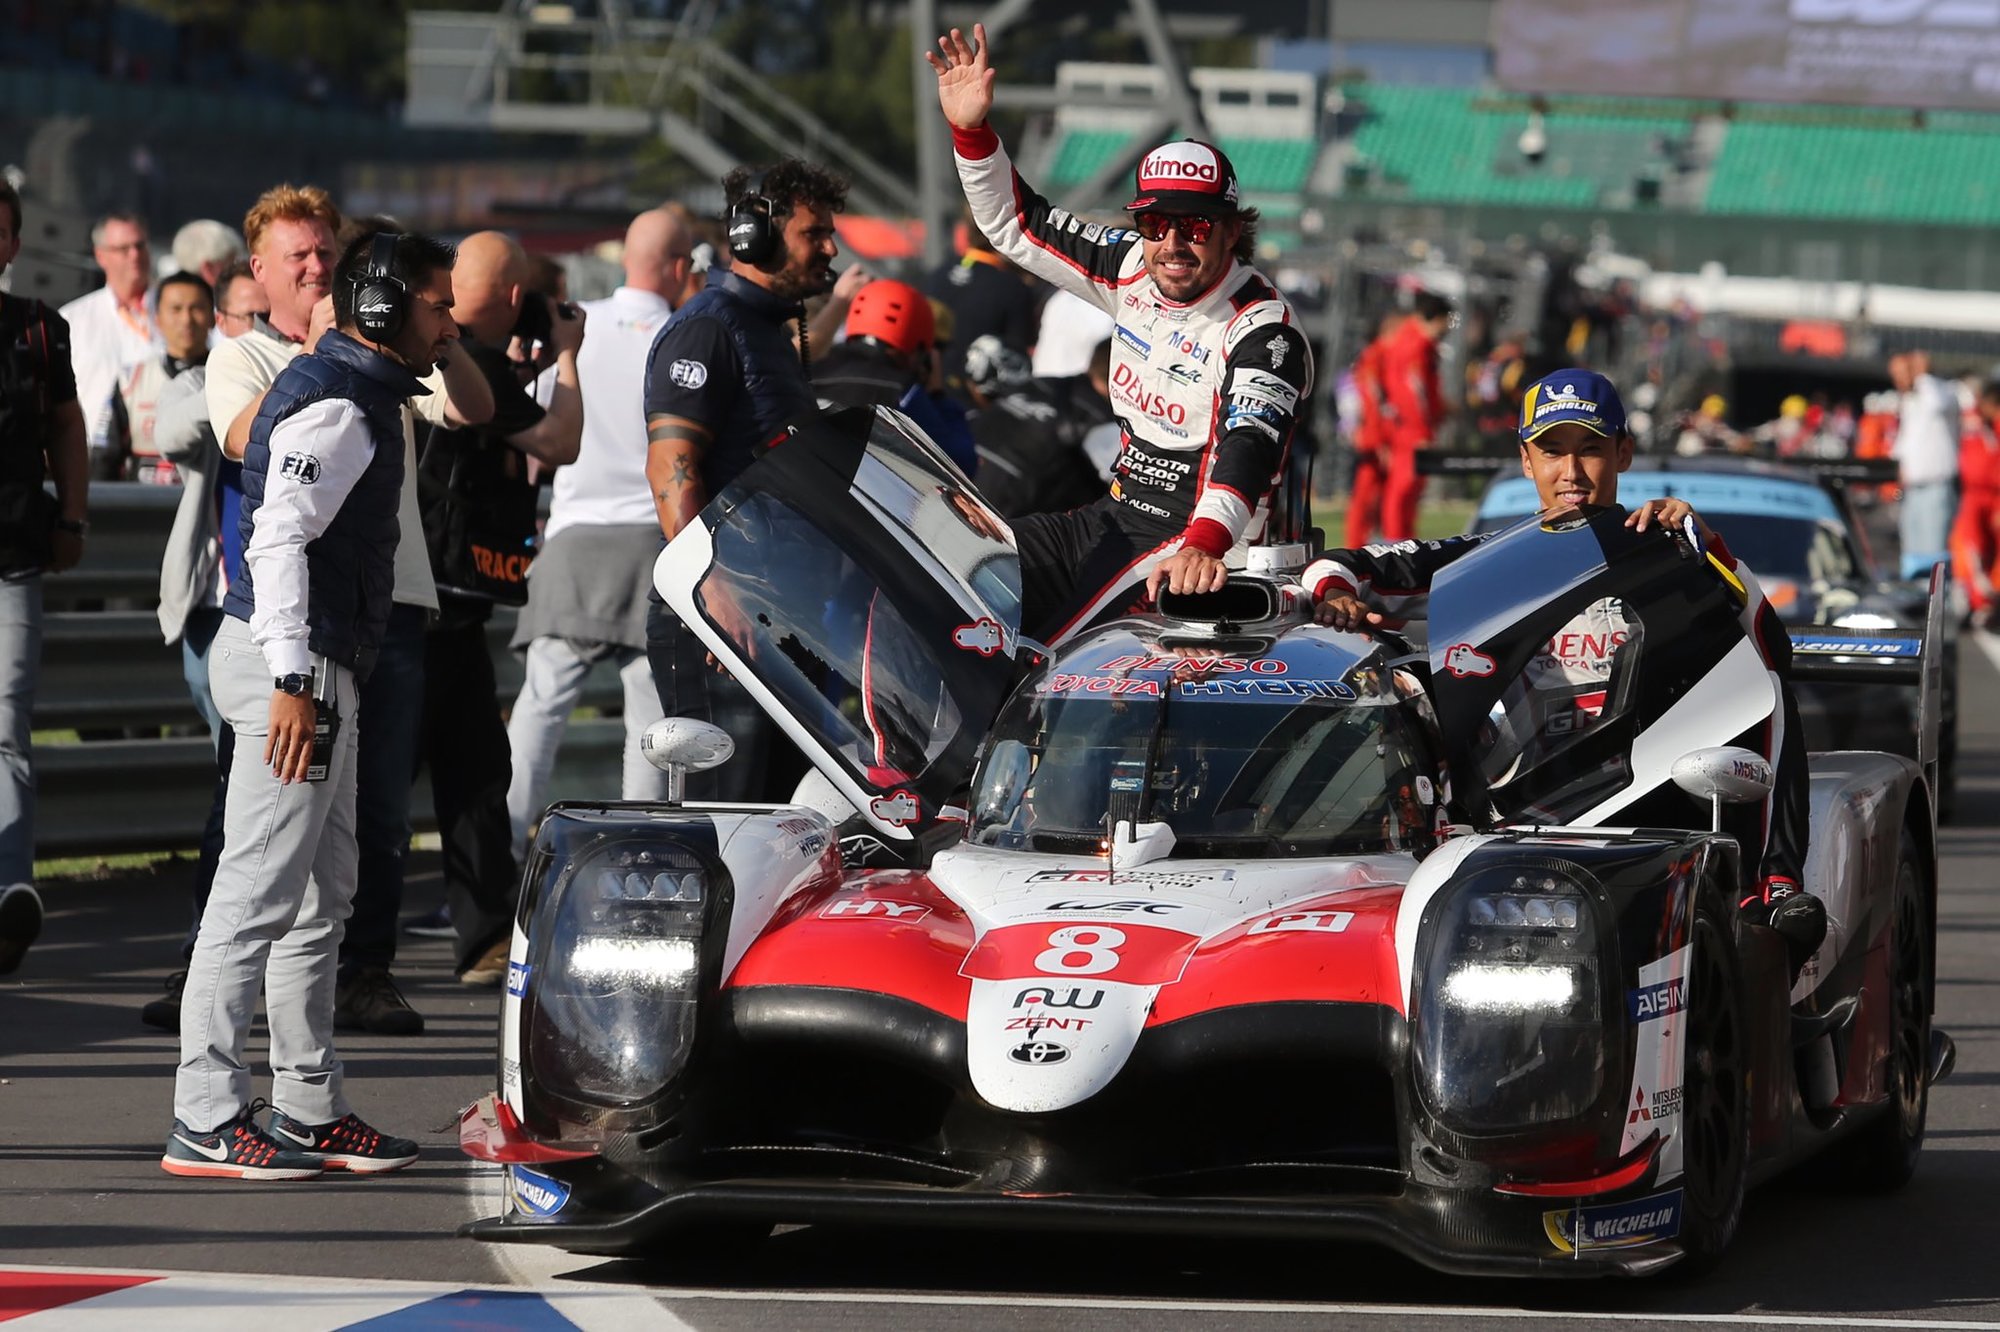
322	482
723	378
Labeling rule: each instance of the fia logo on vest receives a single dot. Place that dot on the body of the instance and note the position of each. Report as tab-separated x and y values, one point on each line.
300	467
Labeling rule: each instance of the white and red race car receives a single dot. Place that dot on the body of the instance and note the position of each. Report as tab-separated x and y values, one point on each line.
1211	920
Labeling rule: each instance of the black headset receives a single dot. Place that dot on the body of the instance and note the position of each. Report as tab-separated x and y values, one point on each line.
381	300
753	235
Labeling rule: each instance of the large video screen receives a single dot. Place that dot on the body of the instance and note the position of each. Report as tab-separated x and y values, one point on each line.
1903	53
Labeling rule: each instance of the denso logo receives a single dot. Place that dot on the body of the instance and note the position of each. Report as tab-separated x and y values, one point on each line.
1125	381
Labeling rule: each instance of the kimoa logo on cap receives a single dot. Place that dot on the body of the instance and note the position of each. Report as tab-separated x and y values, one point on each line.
1185	165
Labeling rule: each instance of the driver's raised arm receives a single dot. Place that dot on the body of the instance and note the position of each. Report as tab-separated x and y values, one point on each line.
1084	258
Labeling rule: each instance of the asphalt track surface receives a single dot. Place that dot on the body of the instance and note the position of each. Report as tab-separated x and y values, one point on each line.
85	1106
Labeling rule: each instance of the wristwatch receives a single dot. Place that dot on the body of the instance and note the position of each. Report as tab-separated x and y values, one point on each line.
74	526
298	686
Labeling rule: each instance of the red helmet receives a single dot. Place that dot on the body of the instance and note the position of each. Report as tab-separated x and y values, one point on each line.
893	313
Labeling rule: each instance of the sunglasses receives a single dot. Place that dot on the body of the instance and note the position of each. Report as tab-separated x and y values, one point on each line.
1155	226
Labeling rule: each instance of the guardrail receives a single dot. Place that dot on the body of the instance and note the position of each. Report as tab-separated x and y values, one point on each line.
104	667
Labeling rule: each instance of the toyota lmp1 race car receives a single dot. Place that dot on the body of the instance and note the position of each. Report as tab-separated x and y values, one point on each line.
1206	921
1792	522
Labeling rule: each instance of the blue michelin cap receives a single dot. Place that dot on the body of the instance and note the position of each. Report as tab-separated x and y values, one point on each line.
1582	396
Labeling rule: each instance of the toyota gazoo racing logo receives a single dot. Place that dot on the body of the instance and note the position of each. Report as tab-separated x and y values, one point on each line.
1463	659
1038	1054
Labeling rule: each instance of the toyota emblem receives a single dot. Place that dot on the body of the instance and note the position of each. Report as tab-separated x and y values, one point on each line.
1038	1053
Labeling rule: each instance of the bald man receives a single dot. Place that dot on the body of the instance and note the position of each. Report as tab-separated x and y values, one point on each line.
478	508
587	601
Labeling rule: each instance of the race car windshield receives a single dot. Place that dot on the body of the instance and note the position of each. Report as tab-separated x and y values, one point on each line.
1232	774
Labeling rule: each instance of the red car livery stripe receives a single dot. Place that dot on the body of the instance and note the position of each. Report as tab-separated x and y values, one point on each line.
892	934
1341	948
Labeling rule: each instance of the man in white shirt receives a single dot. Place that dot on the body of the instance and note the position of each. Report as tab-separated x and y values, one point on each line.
587	588
322	476
112	329
290	231
1926	453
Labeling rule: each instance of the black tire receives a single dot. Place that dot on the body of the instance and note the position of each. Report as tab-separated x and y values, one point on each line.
1715	1095
1882	1155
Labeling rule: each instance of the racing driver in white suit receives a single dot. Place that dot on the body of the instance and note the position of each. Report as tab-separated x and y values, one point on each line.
1207	363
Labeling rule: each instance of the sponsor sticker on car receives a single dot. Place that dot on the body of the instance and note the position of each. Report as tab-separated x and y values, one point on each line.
535	1193
1619	1225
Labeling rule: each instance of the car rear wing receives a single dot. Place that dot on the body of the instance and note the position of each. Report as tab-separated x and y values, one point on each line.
1827	654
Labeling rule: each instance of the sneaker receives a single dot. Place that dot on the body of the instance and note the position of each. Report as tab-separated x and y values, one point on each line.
165	1012
237	1150
369	1001
345	1144
20	923
491	968
432	925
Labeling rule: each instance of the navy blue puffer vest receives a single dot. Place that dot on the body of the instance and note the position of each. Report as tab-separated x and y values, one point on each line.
775	386
351	567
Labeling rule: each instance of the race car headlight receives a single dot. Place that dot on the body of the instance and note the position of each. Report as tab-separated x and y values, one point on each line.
615	971
1509	1023
1865	620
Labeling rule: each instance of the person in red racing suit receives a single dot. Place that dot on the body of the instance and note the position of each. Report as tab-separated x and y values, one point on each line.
1573	446
1207	363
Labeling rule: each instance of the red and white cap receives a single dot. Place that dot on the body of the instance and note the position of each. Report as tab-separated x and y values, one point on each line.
1187	176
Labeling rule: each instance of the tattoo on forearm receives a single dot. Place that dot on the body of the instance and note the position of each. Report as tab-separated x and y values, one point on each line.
683	470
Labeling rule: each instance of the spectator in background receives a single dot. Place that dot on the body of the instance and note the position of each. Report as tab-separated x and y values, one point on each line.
1070	332
588	587
290	231
194	578
1371	438
988	297
722	378
205	247
547	276
1975	536
185	308
1926	453
888	359
1030	431
112	329
479	517
827	314
1415	397
239	302
41	438
1707	430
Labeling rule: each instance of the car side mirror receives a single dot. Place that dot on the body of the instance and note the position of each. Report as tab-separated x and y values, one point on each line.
678	746
1724	774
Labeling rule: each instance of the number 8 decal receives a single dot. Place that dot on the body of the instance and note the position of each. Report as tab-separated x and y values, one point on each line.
1097	945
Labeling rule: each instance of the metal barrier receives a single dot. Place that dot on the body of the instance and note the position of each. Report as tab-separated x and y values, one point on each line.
107	669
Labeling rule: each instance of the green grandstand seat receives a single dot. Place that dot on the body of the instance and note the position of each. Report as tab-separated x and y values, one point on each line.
1866	173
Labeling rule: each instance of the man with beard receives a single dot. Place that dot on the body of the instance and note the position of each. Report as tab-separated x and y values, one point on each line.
723	378
1208	366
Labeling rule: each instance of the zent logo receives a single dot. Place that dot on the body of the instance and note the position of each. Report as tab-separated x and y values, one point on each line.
899	810
688	374
300	467
983	636
1462	659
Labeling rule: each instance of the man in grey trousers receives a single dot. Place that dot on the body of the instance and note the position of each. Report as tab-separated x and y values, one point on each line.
322	480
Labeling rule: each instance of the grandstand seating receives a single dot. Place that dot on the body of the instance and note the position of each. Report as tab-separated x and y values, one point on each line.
1947	173
1450	145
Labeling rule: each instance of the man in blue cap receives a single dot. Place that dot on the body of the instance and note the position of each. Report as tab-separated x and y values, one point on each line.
1574	445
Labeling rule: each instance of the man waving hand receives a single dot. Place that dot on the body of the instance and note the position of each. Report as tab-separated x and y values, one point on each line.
1207	362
